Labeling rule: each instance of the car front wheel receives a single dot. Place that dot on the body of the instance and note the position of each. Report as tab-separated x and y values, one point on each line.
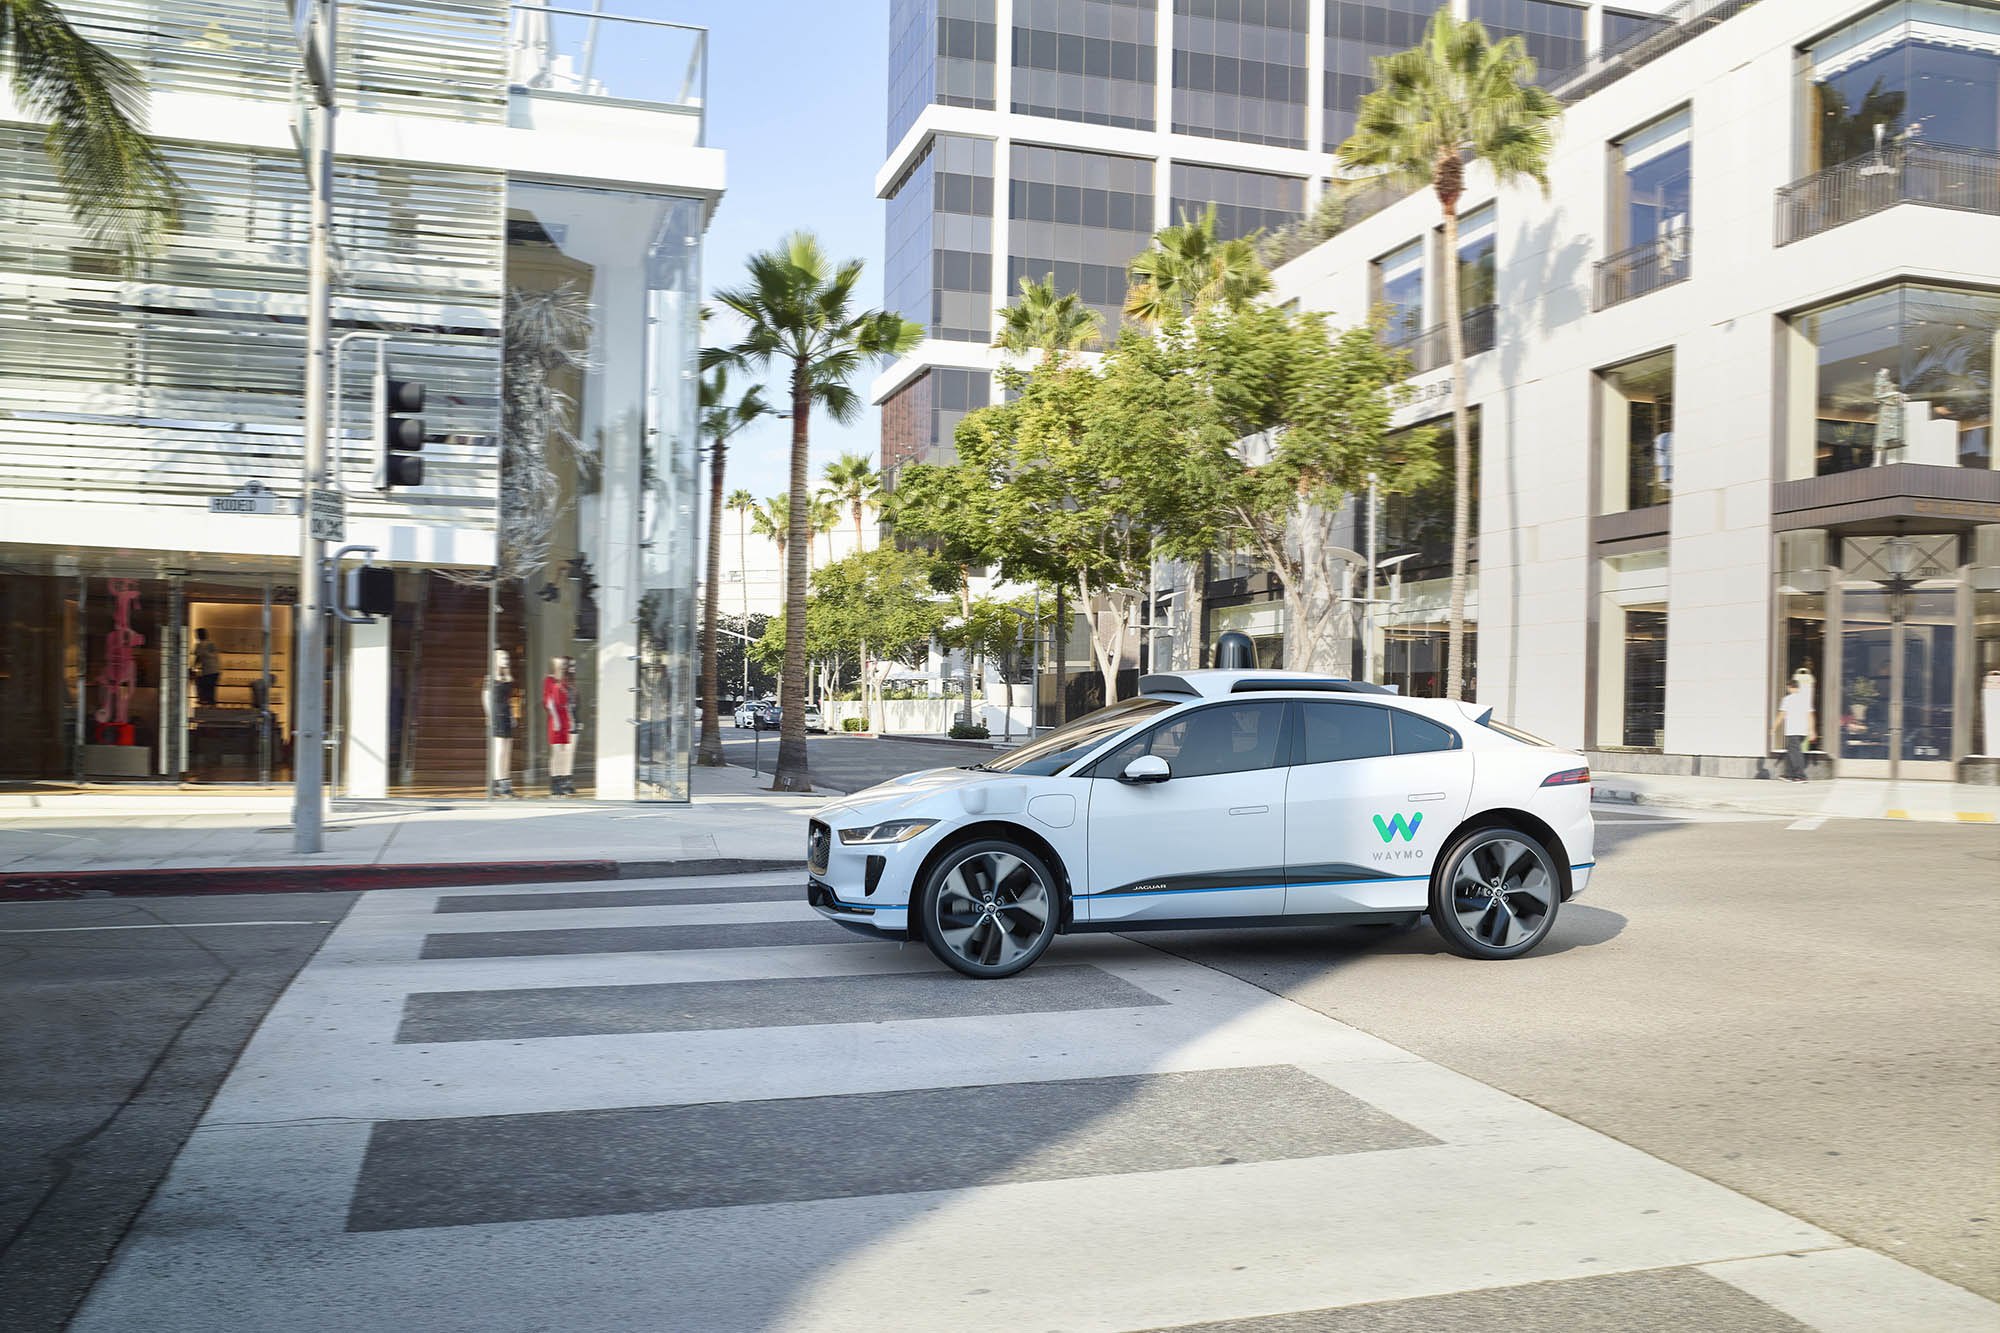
1497	894
989	908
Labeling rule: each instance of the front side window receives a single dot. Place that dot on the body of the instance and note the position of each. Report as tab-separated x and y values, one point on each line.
1066	744
1205	742
1638	425
1903	374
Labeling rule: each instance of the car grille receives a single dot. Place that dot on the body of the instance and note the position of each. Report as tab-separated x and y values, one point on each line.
819	843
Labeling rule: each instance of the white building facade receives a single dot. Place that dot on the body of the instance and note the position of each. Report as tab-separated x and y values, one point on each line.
521	196
1732	390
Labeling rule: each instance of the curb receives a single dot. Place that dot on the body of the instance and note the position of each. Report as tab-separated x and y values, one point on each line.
193	881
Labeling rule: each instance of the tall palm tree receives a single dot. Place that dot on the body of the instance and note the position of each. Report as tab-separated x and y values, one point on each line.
115	178
772	519
825	518
720	420
852	480
799	308
740	503
1043	322
1187	266
1455	95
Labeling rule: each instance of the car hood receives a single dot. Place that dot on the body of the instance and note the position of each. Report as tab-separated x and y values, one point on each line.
914	791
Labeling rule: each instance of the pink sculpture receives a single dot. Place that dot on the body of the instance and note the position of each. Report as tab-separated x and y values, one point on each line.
121	666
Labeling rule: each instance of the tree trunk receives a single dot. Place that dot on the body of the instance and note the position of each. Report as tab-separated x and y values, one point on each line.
1197	601
1461	430
1107	648
792	774
857	527
710	754
1061	645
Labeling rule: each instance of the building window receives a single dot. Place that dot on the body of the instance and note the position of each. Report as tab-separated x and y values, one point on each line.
1398	279
1246	202
1420	524
1923	71
1240	70
1637	458
940	51
1552	32
1903	374
1356	32
1081	216
938	251
1623	31
1085	60
1652	177
1632	651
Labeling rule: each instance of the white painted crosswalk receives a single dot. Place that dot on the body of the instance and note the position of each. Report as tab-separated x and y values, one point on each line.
677	1105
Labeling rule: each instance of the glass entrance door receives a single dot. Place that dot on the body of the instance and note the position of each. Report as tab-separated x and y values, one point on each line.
236	650
1898	675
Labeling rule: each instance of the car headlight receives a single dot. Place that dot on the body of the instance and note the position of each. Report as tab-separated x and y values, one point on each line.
896	830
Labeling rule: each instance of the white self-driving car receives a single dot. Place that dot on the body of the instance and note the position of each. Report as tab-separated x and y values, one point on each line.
1219	798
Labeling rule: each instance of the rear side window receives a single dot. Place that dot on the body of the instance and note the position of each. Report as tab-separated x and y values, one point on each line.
1344	731
1419	735
1229	738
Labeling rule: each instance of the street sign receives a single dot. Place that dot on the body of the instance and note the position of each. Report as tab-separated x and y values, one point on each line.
315	38
329	516
253	497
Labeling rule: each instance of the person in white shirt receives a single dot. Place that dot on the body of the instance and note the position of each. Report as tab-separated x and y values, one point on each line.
1796	721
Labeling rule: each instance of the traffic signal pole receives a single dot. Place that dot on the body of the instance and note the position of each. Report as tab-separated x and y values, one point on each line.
309	709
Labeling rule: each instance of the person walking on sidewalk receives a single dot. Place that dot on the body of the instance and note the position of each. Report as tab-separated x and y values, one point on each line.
1795	719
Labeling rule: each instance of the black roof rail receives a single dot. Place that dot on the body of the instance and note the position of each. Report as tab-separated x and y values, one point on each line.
1163	684
1255	685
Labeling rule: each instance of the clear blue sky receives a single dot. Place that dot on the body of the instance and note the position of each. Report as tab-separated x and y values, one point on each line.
797	99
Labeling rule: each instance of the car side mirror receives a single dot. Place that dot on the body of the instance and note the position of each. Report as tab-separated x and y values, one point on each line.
1146	768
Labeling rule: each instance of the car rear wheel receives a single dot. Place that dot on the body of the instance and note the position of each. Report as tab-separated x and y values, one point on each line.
989	908
1497	894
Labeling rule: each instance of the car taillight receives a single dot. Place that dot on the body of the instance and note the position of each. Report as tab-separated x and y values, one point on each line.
1569	777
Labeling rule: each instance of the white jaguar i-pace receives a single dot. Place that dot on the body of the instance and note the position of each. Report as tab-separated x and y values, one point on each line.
1219	798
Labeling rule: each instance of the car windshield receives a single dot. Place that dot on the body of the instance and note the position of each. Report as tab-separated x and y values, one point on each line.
1065	745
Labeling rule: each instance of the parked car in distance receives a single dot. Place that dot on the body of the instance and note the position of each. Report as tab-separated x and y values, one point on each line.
746	713
814	722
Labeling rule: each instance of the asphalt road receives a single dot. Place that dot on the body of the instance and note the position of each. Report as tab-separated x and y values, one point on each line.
849	763
121	1018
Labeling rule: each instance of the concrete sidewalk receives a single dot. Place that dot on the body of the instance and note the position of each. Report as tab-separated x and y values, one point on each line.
731	823
1841	798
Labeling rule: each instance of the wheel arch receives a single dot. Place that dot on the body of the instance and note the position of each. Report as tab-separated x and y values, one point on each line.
995	828
1514	818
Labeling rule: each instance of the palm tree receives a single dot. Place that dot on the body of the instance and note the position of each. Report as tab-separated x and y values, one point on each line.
720	420
115	178
851	479
800	310
1043	322
1456	95
740	503
1187	266
772	519
825	518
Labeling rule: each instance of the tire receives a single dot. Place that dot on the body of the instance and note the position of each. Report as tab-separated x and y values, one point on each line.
989	908
1496	894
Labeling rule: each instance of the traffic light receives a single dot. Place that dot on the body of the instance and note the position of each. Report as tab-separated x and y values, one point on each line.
399	432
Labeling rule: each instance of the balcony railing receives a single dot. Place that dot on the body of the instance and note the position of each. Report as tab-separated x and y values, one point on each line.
1677	25
1661	262
587	53
1431	348
1935	175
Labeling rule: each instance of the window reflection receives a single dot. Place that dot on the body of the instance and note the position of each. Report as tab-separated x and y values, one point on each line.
1639	433
1927	70
1399	284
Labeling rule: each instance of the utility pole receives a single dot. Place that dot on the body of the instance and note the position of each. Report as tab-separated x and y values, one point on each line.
314	22
1368	604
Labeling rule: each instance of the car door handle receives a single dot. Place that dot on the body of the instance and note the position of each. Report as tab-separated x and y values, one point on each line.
1427	796
1250	810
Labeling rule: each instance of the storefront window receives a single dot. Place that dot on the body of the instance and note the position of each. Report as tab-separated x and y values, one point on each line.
1415	639
1420	524
1986	672
40	671
1264	622
1923	70
1899	375
1632	651
1638	425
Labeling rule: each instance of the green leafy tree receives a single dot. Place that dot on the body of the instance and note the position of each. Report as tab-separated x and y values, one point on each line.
799	309
1456	96
878	607
115	178
1041	321
852	480
1187	266
722	418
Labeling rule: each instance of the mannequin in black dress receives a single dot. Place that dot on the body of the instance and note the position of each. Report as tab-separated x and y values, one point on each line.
499	703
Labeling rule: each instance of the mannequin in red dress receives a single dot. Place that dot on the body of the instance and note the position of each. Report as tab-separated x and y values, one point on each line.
559	705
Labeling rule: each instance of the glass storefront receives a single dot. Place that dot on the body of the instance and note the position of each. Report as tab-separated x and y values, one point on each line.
1637	461
1903	374
1632	651
1917	70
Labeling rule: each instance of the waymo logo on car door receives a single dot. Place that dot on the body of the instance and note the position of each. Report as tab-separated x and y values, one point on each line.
1390	828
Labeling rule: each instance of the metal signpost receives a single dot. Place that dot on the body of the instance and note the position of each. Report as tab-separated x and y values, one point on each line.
322	512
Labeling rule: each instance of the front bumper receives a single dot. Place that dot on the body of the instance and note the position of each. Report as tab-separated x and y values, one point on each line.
863	886
871	919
